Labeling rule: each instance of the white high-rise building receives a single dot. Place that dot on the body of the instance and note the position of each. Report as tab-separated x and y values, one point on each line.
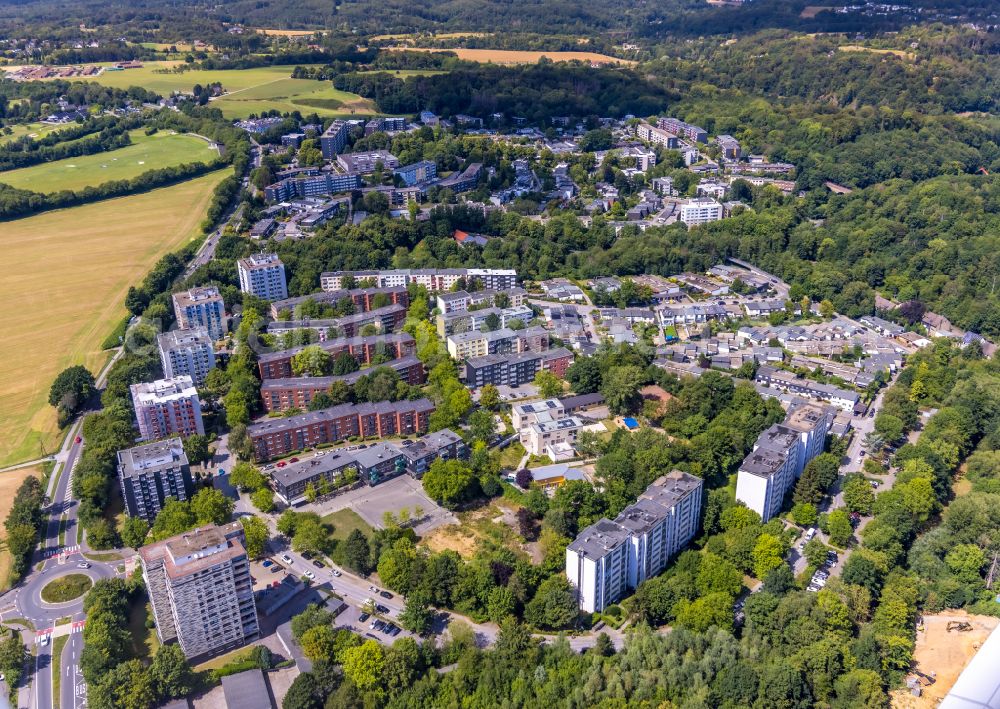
263	275
779	457
200	588
610	557
187	352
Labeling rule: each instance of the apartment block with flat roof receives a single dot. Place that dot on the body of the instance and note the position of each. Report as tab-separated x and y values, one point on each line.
149	474
167	407
278	364
201	307
263	275
187	352
334	139
610	557
200	589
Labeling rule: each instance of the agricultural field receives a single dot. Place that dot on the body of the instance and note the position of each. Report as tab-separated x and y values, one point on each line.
78	263
250	90
147	152
9	482
516	56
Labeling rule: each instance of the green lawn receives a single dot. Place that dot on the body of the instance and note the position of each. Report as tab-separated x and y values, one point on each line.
144	640
346	521
249	90
66	588
35	130
147	152
57	650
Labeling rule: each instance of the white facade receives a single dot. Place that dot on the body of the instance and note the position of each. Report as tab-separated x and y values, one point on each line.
610	557
546	437
263	275
202	307
523	415
701	211
167	407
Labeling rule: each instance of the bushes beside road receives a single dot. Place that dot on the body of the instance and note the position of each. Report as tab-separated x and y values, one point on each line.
23	525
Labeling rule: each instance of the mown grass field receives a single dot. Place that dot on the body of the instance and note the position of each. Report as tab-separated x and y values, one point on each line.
516	56
147	152
67	274
249	90
9	482
35	130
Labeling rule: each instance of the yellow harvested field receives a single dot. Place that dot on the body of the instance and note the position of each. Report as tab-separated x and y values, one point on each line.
443	35
67	274
895	52
945	654
9	482
513	56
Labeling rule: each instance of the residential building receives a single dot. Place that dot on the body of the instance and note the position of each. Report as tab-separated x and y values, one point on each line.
202	307
435	280
387	319
363	299
679	127
272	438
779	456
551	477
367	162
700	211
167	407
385	124
652	134
334	139
555	438
780	379
730	147
417	172
263	229
609	558
278	365
465	180
263	275
187	352
298	392
542	410
479	344
326	183
149	474
501	369
200	589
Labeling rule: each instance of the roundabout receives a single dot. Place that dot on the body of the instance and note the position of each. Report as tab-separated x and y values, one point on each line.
57	590
66	588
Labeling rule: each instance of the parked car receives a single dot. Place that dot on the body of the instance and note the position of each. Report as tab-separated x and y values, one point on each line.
319	564
363	617
307	555
385	594
336	572
282	464
389	627
373	589
293	460
374	623
287	559
77	440
379	624
309	575
266	563
276	568
381	609
875	483
395	631
831	557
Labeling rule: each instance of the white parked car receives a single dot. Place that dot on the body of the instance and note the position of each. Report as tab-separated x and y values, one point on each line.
309	575
336	572
287	559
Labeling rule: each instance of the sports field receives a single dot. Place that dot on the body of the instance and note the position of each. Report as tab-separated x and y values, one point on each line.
516	56
147	152
66	277
248	90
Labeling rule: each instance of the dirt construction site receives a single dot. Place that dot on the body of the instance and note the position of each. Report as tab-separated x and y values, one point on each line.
941	655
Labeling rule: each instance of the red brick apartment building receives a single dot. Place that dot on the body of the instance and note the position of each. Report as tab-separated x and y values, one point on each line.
278	365
298	392
273	438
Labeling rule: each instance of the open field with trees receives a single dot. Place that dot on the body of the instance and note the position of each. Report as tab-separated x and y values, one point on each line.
79	262
146	152
249	90
34	130
514	56
9	482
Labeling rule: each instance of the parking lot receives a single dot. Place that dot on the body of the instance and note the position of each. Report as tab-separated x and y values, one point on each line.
351	620
371	503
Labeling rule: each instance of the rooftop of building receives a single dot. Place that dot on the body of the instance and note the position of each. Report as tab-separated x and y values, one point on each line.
196	550
160	390
184	338
261	260
152	457
322	415
599	538
202	294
